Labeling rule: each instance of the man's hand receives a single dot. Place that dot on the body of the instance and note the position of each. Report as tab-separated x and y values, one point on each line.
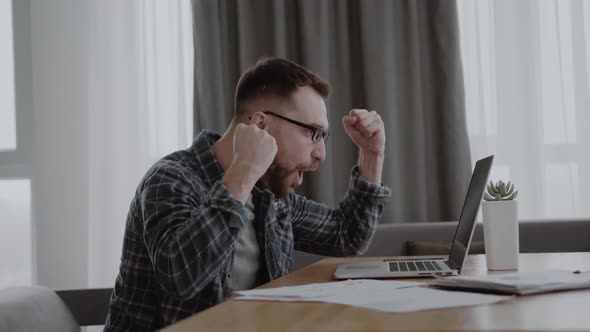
254	152
366	130
254	149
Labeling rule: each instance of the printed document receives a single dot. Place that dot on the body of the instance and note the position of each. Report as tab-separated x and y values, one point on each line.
383	295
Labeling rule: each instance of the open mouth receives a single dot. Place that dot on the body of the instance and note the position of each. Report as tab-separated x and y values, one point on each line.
303	170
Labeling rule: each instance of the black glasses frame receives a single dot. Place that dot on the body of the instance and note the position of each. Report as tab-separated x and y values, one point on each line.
317	133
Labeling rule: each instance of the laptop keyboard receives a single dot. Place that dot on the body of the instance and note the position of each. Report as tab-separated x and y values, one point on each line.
425	266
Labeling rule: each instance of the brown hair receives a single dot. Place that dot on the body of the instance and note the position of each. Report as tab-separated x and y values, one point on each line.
275	76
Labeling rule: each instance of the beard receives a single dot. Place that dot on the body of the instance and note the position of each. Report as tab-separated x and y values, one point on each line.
277	177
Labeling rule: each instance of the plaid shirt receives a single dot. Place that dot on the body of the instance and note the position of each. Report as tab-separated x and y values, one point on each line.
183	224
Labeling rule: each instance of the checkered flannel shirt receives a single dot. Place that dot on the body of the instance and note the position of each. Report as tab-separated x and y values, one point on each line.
183	224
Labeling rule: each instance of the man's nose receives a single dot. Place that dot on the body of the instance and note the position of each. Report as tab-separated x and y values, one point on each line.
319	151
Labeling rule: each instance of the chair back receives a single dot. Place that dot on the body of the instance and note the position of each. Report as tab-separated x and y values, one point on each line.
89	306
38	308
34	308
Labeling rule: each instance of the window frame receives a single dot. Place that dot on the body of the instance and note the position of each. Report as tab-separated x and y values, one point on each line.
17	163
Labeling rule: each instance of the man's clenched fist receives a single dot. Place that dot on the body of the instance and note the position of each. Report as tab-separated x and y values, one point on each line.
254	149
366	130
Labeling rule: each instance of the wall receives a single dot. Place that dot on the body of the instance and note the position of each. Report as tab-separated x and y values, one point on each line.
60	161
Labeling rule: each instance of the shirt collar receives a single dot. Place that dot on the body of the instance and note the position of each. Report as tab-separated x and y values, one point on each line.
203	150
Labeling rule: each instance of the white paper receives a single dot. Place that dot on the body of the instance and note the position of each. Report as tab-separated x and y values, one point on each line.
389	296
421	298
329	289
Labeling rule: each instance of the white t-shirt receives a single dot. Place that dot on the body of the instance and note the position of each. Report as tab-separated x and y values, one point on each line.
243	275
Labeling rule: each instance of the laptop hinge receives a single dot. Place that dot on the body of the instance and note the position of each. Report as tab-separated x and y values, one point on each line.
451	265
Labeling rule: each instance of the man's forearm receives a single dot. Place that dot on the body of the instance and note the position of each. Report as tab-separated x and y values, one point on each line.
371	166
348	227
239	181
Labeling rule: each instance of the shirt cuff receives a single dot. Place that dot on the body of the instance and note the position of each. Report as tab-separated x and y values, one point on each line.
358	185
220	197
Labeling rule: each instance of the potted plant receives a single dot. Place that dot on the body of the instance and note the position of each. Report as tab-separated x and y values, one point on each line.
500	226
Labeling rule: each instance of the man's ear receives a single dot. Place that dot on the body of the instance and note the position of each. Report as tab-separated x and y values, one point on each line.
259	119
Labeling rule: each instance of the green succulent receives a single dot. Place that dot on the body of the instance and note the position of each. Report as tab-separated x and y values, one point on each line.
500	192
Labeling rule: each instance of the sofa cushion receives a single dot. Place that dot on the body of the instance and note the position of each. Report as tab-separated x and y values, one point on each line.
552	235
425	248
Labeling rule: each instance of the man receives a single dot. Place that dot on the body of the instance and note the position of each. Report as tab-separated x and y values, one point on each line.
222	215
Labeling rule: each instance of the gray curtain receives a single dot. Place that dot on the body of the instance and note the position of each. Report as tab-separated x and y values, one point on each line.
400	58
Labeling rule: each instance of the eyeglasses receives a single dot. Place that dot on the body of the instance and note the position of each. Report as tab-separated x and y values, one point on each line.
317	133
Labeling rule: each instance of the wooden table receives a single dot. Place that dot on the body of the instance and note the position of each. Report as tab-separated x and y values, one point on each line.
562	311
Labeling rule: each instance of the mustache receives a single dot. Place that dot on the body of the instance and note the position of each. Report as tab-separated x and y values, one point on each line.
310	167
276	166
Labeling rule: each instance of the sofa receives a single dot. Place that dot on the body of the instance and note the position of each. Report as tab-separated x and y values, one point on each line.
432	238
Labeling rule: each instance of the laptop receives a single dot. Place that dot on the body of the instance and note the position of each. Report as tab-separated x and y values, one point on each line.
412	268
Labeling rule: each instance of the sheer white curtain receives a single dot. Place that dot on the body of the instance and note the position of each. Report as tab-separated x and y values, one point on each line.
107	90
526	67
140	109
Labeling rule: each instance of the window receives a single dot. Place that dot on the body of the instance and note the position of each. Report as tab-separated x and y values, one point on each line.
15	184
15	241
7	112
526	71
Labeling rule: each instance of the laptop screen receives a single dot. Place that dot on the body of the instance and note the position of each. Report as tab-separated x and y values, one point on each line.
469	212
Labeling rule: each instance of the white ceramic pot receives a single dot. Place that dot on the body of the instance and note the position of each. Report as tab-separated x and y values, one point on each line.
500	227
